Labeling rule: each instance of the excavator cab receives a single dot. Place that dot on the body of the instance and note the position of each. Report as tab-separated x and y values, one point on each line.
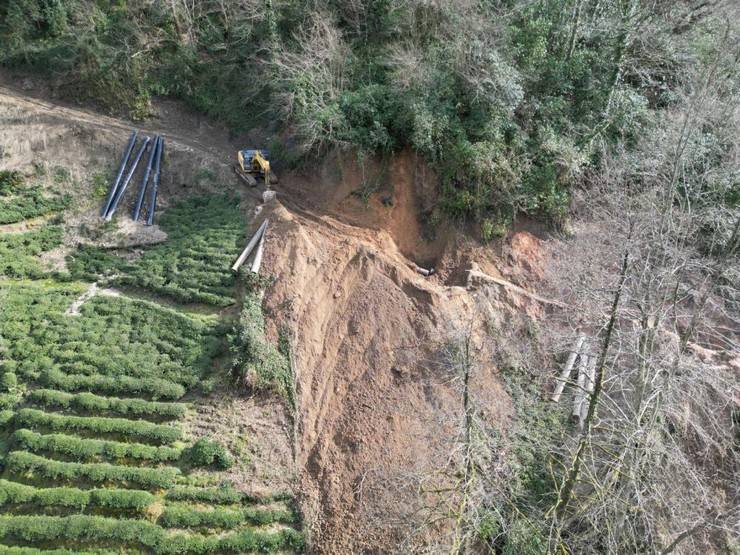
254	163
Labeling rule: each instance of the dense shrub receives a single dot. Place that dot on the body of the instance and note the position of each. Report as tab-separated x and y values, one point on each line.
24	464
89	402
8	381
255	359
222	495
29	203
12	493
138	348
186	517
80	449
130	429
10	182
138	533
156	388
205	452
19	251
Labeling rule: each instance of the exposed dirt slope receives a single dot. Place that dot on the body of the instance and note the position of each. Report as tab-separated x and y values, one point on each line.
378	407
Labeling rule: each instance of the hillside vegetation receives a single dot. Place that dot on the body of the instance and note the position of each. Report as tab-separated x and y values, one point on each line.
512	102
94	456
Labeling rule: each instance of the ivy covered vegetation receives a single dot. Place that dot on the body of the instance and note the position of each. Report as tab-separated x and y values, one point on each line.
93	457
204	238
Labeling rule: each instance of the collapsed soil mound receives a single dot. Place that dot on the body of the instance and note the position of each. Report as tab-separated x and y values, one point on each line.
379	406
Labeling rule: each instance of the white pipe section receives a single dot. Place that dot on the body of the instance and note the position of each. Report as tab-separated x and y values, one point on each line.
257	262
250	246
563	378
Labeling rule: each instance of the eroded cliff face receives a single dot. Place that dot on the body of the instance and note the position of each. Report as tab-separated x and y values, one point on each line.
379	406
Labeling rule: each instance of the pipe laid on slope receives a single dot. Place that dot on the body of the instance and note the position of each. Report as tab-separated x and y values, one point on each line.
257	262
250	246
122	188
145	180
124	161
155	181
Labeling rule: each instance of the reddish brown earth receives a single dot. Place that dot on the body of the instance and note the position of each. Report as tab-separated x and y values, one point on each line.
378	409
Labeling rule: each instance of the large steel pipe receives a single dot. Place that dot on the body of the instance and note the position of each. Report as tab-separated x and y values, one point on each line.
155	182
114	186
122	188
145	180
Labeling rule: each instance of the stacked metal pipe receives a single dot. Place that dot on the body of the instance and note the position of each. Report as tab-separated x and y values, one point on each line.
120	184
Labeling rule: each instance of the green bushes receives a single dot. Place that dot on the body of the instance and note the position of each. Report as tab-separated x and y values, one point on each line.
79	449
10	181
80	528
137	533
12	493
205	452
204	237
8	381
88	402
156	388
19	251
157	352
29	203
221	495
29	465
255	359
185	517
131	429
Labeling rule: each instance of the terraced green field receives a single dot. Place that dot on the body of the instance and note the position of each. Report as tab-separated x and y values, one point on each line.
205	235
94	459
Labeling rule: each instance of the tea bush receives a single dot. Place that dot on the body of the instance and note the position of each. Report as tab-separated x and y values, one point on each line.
23	464
81	449
130	429
156	388
187	517
205	235
89	402
12	493
116	533
19	251
29	203
220	495
205	452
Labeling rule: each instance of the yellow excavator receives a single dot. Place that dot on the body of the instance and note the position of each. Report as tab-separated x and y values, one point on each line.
254	163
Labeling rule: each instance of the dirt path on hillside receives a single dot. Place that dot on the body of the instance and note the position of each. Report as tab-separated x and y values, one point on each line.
379	405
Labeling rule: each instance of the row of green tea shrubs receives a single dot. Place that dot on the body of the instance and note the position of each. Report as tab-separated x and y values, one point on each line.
13	493
19	202
156	388
97	530
186	517
115	346
222	495
89	402
35	467
91	450
19	252
205	235
157	434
